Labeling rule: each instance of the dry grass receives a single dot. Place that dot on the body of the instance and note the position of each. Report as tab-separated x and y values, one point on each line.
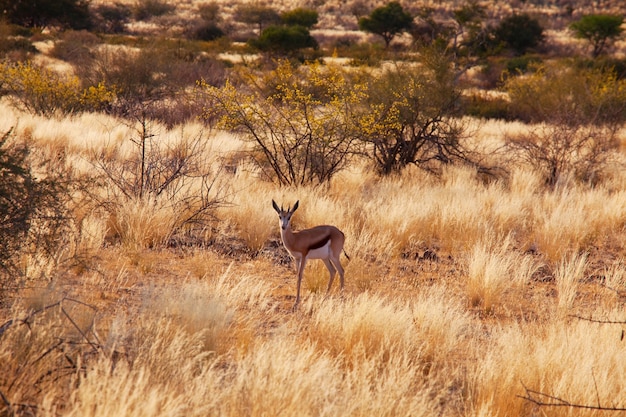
459	294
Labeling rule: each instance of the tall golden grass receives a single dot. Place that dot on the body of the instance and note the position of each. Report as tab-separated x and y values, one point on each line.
463	297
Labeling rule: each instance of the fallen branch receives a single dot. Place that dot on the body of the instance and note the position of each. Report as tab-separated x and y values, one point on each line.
546	400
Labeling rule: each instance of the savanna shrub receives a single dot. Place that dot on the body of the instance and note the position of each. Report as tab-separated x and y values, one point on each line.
146	9
43	92
32	208
74	46
111	18
578	114
559	94
300	120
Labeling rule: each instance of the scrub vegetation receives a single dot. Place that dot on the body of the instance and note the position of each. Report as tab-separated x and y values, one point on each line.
478	177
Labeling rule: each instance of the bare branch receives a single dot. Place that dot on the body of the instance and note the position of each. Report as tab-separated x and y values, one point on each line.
546	400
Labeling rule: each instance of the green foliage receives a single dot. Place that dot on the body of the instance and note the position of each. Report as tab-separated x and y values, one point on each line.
43	13
284	40
485	107
387	21
300	120
300	17
599	29
522	64
256	14
42	91
519	32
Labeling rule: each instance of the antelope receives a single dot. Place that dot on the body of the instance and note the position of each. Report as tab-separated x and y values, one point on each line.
319	242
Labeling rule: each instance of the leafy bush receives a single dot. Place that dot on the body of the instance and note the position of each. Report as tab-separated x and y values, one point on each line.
146	9
43	13
111	18
284	40
151	82
486	107
558	94
300	120
408	116
521	64
74	46
207	31
519	32
42	91
580	111
300	17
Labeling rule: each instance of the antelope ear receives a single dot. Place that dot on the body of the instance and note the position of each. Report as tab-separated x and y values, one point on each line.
275	207
295	206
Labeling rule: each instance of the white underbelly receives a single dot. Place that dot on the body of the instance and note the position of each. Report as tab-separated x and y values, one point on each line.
319	253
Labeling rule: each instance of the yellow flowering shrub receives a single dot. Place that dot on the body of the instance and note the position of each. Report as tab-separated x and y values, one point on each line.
42	91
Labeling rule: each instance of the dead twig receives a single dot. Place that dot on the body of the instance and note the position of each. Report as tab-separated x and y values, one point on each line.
547	400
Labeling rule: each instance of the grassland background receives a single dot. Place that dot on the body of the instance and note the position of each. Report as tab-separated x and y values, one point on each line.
463	296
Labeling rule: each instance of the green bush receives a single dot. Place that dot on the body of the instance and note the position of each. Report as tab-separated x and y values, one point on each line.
522	64
519	32
207	31
284	40
486	107
300	17
72	14
387	21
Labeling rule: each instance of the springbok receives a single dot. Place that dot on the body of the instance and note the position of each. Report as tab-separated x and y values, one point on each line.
319	242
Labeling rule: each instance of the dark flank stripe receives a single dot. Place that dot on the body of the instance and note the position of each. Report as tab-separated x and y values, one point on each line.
321	243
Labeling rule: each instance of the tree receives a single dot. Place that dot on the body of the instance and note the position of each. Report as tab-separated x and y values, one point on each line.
284	40
476	38
519	32
387	21
300	17
599	29
300	120
257	14
42	13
